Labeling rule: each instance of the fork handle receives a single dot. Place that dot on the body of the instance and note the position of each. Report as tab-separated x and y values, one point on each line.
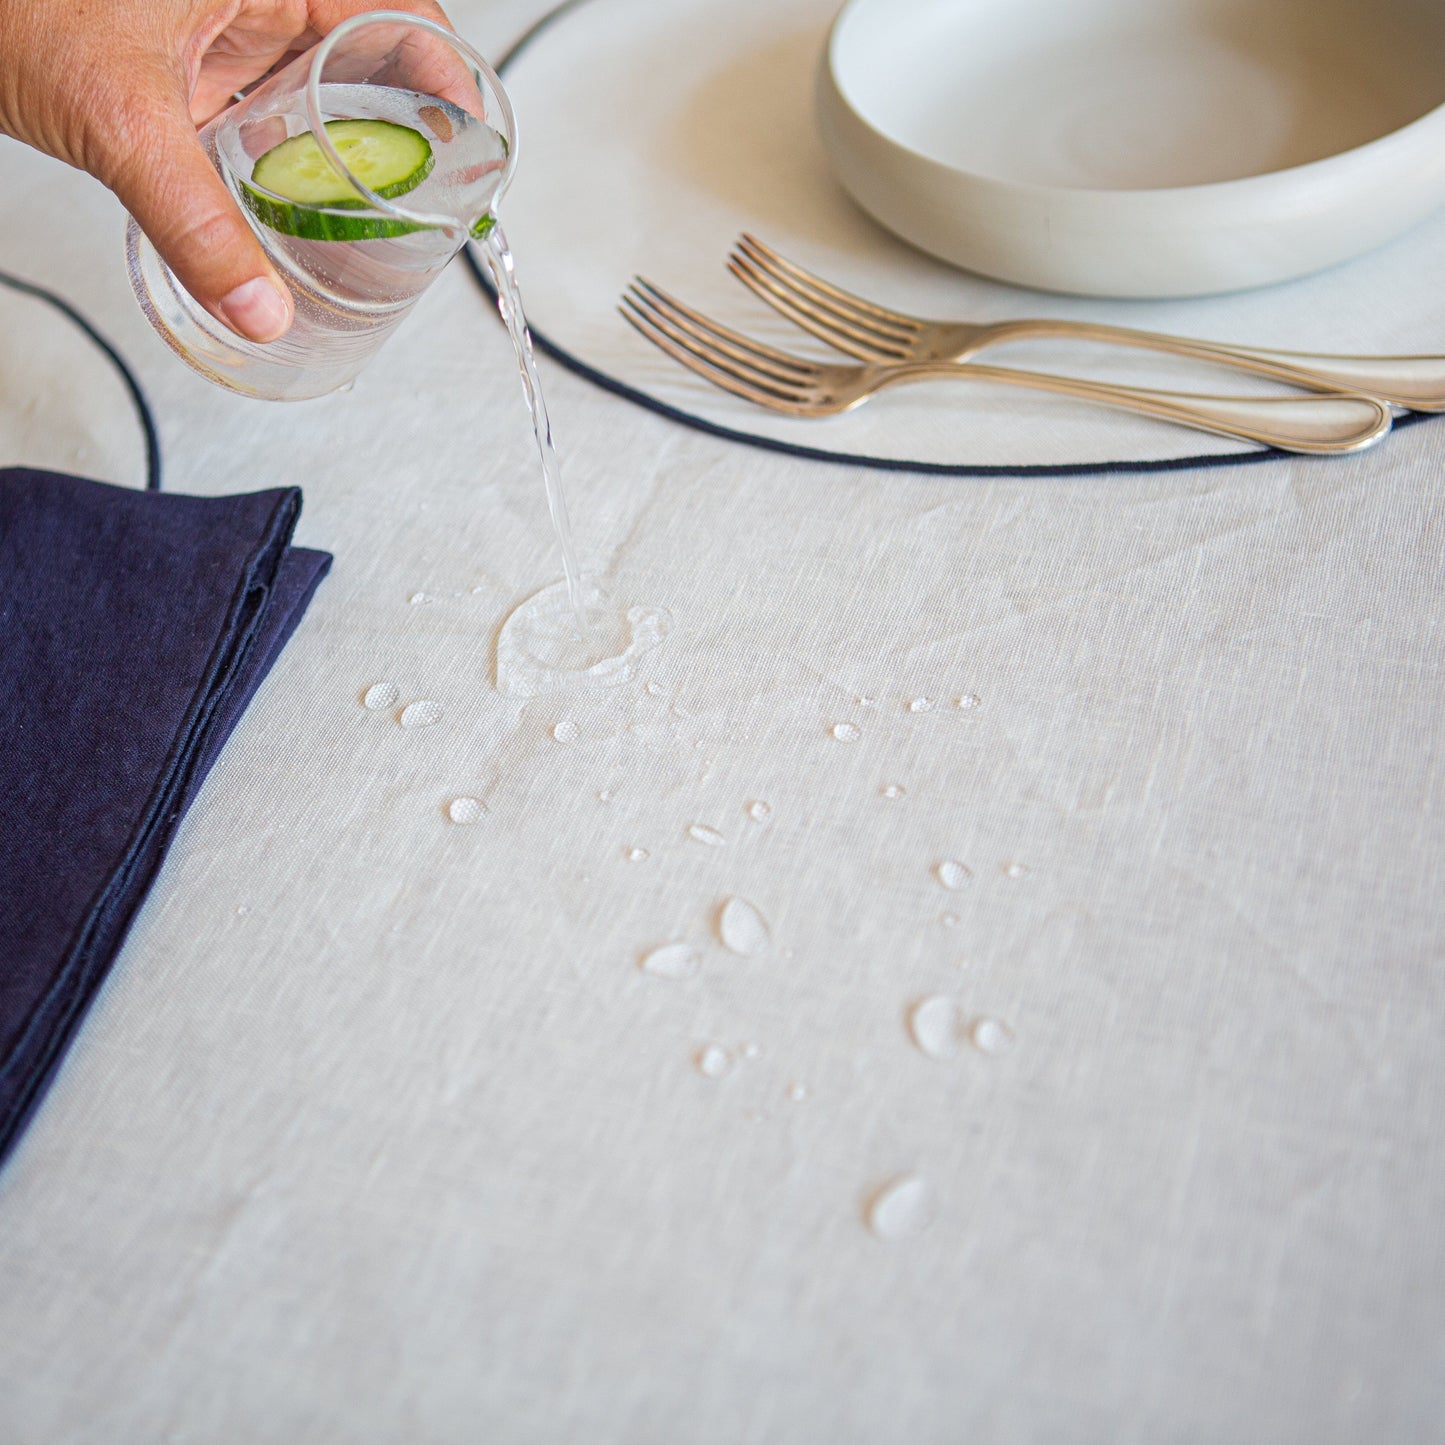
1416	382
1307	424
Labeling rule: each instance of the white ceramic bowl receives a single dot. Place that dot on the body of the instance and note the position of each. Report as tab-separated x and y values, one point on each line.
1139	147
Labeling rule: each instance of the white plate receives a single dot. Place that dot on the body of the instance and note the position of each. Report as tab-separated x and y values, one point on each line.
1139	147
650	136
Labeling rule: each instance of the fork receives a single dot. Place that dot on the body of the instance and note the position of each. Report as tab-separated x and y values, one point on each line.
790	384
874	333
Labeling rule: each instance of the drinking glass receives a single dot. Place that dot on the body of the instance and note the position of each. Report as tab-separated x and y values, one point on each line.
354	267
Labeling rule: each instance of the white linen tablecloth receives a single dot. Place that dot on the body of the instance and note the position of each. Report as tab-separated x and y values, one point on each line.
379	1132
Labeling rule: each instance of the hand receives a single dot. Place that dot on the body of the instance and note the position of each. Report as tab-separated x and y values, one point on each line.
119	87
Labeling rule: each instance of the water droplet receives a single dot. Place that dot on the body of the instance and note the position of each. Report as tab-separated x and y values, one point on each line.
904	1206
241	910
380	696
701	833
750	1051
922	704
567	731
714	1062
866	701
655	688
1016	870
892	790
798	1093
742	929
466	810
937	1027
760	812
539	651
969	701
948	920
421	714
672	961
637	855
992	1036
847	732
953	874
604	795
421	599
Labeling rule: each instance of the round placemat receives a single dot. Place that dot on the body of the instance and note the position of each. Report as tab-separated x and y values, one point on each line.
650	138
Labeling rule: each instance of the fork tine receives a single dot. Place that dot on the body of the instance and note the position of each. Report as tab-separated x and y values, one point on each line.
845	304
694	363
722	354
812	317
732	343
721	371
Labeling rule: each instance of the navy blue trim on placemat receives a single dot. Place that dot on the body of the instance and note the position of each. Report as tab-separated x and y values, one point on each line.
137	396
628	392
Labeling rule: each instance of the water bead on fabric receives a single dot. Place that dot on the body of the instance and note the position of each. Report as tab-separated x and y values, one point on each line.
714	1062
380	696
992	1036
422	714
742	929
936	1026
540	649
953	874
903	1207
674	961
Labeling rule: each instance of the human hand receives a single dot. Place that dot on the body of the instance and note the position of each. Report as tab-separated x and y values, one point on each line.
119	87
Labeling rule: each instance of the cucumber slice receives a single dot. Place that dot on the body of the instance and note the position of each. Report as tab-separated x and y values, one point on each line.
296	190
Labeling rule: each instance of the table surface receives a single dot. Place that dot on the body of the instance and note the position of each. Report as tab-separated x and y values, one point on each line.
379	1131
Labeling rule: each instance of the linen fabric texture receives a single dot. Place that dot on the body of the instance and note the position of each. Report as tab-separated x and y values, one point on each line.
134	628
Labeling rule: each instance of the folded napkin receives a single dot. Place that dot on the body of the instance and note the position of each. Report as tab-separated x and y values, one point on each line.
134	628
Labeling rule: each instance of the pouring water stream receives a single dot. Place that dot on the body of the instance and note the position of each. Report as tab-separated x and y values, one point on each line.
498	258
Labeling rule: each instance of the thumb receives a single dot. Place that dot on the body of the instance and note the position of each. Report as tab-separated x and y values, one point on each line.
168	184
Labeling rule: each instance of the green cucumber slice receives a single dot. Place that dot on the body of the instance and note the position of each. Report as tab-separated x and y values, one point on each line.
296	190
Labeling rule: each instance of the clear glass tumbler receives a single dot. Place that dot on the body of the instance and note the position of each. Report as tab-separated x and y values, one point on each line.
356	261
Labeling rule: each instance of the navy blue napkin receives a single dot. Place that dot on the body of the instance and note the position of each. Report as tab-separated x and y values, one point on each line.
134	628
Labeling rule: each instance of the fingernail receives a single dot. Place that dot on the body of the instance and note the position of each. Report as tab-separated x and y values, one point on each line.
257	309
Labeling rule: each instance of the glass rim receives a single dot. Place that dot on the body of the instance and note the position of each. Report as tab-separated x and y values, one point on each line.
431	220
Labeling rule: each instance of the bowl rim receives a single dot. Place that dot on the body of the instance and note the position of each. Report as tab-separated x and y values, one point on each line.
1371	153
